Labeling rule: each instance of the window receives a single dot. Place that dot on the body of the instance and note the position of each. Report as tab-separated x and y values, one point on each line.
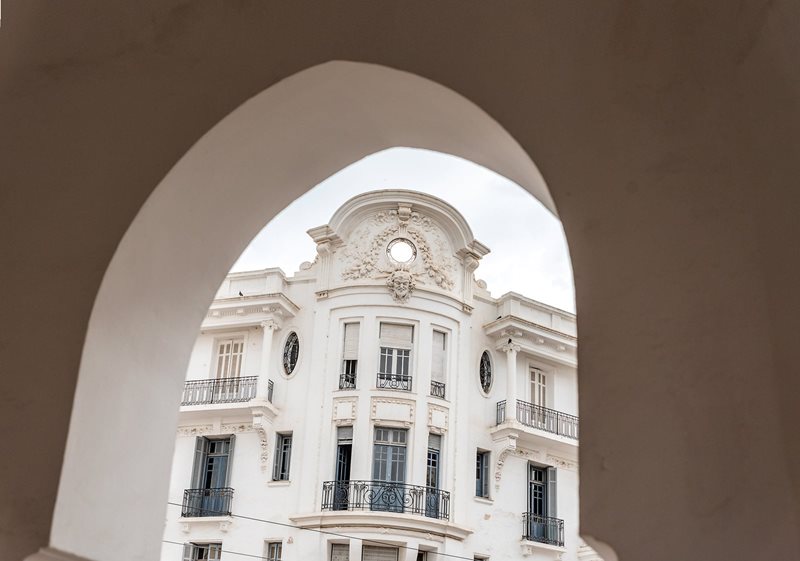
347	378
283	456
485	372
422	556
274	550
538	387
482	474
541	524
395	358
388	469
229	358
201	551
432	470
210	494
344	453
291	352
340	552
374	553
438	360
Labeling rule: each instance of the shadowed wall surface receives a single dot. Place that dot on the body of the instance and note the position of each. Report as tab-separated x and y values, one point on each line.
667	137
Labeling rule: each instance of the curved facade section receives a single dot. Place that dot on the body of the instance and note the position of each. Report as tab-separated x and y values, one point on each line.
420	415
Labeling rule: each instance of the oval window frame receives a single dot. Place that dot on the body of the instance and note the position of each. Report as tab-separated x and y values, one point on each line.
288	372
486	392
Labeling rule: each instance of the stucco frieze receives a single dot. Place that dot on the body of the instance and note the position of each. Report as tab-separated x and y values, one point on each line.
393	410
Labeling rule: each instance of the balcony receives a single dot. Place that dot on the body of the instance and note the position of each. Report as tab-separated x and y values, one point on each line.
437	389
541	418
347	381
394	382
383	496
542	529
207	502
221	390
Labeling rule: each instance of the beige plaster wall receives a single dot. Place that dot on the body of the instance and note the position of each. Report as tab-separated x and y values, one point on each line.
667	136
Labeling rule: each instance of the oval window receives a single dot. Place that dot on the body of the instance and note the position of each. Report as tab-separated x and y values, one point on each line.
291	350
401	250
485	372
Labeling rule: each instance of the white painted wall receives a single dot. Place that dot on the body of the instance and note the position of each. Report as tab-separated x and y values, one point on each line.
306	407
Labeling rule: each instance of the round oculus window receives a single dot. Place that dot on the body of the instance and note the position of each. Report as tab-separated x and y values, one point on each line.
401	250
485	372
291	350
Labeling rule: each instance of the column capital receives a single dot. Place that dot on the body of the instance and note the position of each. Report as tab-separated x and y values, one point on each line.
510	347
270	324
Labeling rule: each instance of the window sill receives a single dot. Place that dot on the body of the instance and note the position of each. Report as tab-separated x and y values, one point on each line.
484	500
187	522
279	483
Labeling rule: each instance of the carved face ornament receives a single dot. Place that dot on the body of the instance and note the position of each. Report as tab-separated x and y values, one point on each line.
401	283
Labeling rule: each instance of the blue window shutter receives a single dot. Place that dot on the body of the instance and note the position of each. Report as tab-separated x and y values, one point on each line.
232	439
200	451
552	495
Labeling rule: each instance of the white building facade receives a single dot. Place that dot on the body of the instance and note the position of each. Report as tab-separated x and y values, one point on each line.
379	405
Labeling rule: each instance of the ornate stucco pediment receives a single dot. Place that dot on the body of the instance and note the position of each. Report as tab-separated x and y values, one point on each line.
366	254
403	240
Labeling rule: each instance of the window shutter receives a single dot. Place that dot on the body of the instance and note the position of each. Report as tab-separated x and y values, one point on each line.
394	335
188	552
232	440
200	451
434	441
552	495
373	553
351	332
437	364
340	552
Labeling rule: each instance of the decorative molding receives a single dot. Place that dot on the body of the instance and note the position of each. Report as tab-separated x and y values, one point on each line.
260	427
236	428
223	523
563	463
410	403
346	419
195	430
435	428
507	446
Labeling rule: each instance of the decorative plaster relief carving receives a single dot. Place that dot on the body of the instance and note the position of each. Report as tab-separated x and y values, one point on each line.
195	430
344	410
438	418
260	427
562	463
236	428
364	252
507	446
393	410
401	284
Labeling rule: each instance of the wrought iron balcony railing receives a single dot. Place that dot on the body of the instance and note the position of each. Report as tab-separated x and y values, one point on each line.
207	502
220	390
386	496
542	529
347	381
437	389
394	381
538	417
270	390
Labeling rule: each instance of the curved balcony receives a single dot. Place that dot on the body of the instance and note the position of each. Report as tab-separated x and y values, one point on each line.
400	382
384	496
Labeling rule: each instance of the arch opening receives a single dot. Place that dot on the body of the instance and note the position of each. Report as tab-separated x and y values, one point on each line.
176	252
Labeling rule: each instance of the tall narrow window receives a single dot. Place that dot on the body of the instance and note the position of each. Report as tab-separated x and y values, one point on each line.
482	474
347	378
438	362
344	453
538	387
210	494
541	523
432	471
375	553
283	457
395	357
201	551
389	469
274	551
229	358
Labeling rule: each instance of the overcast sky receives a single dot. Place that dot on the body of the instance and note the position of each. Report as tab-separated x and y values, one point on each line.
528	250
